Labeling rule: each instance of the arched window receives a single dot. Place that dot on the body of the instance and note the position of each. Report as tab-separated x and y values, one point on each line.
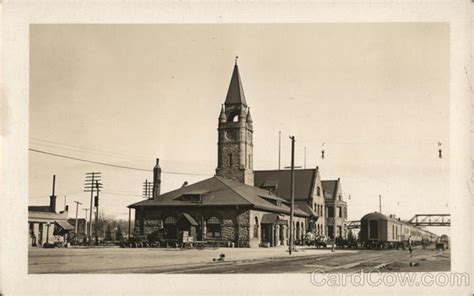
318	191
255	228
213	227
230	160
233	117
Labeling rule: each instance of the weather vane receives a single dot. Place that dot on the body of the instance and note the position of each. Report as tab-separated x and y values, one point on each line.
236	58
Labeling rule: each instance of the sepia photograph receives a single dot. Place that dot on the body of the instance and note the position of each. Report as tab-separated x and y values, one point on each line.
239	148
236	148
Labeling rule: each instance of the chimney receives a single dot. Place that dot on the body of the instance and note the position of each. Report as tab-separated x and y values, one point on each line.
52	198
156	179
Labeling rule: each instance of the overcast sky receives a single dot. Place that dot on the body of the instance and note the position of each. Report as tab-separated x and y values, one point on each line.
377	95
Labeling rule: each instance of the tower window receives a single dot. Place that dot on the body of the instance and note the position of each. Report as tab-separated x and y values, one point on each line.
233	117
230	159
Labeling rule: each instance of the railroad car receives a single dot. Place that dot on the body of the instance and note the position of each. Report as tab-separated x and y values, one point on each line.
380	231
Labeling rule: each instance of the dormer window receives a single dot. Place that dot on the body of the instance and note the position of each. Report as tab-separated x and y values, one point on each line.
193	197
271	186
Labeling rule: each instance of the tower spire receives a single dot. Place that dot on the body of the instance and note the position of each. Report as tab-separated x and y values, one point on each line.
235	93
235	130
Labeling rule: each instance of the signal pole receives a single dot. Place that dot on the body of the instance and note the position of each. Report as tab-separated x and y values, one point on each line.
292	192
75	226
380	204
279	150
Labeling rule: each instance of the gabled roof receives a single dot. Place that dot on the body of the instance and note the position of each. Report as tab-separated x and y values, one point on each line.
235	93
304	182
330	188
220	192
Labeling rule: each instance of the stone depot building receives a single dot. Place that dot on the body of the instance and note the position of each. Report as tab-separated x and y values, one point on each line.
238	205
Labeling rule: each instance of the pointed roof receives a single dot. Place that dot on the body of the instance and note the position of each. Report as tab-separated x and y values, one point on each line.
249	117
304	182
330	188
222	116
235	94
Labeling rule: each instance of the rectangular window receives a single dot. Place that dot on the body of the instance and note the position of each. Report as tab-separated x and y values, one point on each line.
330	212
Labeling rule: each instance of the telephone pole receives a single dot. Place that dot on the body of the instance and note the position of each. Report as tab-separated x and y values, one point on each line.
89	186
292	192
75	226
147	189
97	212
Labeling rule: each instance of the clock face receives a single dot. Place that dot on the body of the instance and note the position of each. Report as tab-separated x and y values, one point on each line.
230	135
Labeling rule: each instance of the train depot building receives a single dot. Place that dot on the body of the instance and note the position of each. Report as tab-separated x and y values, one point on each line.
238	206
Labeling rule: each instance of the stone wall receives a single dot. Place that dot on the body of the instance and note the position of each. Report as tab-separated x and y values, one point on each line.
234	222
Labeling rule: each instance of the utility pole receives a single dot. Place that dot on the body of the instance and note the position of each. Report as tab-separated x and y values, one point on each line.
279	150
147	189
380	204
305	157
75	226
89	186
292	192
52	202
85	226
65	202
97	213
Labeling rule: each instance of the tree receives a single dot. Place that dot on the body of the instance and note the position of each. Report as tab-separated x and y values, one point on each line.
108	233
118	233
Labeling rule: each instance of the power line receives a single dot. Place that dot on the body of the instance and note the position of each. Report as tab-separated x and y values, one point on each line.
83	149
110	164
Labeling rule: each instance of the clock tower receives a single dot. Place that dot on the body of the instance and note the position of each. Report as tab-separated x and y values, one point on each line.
235	144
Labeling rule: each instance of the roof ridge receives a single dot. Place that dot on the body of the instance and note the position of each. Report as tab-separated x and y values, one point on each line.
232	188
238	184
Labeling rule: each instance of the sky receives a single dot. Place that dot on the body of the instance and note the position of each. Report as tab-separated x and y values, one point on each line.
374	96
